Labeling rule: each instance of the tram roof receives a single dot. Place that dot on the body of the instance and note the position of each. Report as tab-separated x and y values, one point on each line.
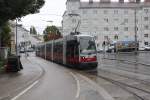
82	35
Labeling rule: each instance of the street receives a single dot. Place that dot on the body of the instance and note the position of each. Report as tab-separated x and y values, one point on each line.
118	77
60	83
75	50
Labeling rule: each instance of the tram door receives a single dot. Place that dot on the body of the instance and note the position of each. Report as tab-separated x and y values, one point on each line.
72	52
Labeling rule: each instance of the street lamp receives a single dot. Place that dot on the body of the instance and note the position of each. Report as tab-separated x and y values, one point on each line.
79	21
0	36
16	36
135	27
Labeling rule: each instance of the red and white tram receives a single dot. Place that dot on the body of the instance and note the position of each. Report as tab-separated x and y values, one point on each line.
72	50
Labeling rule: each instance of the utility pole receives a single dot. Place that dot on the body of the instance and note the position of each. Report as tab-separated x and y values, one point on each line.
0	36
16	37
135	29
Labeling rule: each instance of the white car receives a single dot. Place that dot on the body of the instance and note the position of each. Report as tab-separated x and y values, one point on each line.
147	48
100	50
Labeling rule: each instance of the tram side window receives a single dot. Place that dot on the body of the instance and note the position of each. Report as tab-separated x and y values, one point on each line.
67	49
49	48
72	48
76	49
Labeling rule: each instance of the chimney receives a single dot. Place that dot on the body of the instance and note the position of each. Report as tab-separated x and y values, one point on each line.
121	1
105	1
90	1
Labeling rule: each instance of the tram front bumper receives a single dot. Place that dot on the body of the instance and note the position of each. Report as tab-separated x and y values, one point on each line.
88	65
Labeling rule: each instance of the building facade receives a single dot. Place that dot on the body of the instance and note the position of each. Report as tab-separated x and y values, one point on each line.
109	21
24	39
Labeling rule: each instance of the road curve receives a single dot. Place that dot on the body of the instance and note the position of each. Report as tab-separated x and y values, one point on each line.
56	84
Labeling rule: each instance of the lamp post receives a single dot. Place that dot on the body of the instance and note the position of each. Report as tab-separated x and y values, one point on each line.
16	36
0	36
135	27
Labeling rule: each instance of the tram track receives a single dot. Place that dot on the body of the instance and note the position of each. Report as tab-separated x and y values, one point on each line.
136	65
128	61
129	88
124	86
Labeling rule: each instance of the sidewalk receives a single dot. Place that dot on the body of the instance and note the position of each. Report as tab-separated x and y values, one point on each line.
12	83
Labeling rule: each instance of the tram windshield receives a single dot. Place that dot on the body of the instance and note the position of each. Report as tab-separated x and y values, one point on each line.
87	45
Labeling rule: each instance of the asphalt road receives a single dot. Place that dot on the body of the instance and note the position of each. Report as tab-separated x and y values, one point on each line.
127	62
12	83
56	84
61	83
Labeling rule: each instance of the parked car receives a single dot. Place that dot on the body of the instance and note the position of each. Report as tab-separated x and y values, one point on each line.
145	48
111	48
22	51
100	50
30	50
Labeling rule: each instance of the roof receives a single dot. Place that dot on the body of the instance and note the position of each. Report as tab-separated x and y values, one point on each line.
87	5
73	0
83	35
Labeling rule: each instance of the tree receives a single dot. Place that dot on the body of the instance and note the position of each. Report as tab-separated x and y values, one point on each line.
12	9
51	33
33	30
6	40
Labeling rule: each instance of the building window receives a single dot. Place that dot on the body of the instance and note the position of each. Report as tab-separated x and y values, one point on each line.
125	11
106	20
126	37
145	43
94	11
146	27
137	20
84	11
116	19
126	29
116	37
145	18
106	37
115	11
73	20
106	29
105	11
137	28
126	20
115	28
146	35
146	11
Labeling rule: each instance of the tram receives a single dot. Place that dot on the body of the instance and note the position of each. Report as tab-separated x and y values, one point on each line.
72	50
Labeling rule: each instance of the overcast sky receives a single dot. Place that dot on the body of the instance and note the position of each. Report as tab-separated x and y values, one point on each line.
51	11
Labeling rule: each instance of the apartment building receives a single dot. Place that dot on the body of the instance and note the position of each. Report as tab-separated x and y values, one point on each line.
109	21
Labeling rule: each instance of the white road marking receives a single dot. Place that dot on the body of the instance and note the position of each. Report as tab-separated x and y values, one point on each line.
24	91
101	90
78	85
